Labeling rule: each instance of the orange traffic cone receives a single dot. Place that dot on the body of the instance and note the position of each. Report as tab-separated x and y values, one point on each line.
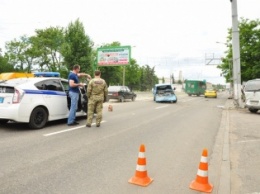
141	178
201	182
110	108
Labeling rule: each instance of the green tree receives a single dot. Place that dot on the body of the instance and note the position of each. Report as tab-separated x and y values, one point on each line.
77	48
20	54
179	82
249	51
147	78
163	80
4	65
46	45
132	75
172	78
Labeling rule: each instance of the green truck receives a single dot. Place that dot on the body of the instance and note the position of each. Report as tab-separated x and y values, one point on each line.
195	87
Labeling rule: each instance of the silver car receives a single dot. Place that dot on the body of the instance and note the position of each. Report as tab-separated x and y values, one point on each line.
252	95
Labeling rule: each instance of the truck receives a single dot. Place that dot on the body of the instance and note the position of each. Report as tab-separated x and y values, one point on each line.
195	87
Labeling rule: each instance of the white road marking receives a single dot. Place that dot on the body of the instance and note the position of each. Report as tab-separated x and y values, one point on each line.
67	130
246	141
161	107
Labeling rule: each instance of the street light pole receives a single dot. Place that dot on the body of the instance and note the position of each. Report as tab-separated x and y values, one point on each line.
236	55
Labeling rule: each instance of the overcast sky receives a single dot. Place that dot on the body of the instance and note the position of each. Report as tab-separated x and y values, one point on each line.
172	35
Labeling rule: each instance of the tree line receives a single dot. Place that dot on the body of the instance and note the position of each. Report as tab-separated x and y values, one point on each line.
57	49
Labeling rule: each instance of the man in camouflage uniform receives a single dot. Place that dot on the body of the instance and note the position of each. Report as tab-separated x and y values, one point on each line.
96	93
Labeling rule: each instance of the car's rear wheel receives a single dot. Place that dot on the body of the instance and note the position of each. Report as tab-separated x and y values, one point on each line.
38	118
253	110
133	98
3	121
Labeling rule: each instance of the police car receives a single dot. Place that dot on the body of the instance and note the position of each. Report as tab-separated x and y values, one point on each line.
37	100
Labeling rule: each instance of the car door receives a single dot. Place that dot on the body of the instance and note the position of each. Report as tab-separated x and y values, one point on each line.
55	98
128	93
124	93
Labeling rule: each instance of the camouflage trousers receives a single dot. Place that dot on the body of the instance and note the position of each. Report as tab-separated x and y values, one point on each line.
95	106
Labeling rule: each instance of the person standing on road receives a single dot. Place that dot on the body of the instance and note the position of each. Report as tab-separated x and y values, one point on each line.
74	93
97	94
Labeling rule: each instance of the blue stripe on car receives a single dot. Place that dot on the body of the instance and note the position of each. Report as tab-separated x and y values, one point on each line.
46	92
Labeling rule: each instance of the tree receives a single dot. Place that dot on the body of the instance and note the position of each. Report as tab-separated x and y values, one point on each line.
172	78
20	54
4	65
77	48
132	75
147	78
179	82
46	45
249	51
163	80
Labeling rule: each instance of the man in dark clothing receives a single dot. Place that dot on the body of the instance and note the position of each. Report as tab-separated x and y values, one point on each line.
74	93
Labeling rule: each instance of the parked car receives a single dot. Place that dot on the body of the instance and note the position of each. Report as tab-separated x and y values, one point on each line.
252	95
210	93
120	93
37	100
164	93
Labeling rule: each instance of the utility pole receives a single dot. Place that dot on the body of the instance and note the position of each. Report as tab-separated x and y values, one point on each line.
236	55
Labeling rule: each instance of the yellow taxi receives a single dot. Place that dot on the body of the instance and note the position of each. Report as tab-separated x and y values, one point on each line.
210	93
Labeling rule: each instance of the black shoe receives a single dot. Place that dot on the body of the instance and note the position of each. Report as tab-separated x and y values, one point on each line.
98	125
76	123
72	124
88	125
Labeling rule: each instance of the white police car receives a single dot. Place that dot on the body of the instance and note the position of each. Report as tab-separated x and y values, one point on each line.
37	100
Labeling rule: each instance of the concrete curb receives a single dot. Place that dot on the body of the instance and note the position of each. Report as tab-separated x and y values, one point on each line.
219	168
225	182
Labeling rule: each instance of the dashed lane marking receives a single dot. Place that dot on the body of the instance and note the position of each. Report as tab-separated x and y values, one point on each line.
161	107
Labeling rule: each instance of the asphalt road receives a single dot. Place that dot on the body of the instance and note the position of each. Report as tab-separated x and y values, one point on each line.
61	159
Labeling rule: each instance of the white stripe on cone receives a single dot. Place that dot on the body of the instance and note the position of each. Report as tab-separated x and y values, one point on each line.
204	159
141	168
202	173
141	155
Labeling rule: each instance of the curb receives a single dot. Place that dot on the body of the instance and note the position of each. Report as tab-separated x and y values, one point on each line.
225	182
219	160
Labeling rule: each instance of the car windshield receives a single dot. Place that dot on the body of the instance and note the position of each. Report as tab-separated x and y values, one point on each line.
253	85
114	88
164	89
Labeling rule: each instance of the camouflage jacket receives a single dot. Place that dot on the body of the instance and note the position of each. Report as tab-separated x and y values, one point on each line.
97	89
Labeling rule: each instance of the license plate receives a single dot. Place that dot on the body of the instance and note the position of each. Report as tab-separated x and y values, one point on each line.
1	100
254	103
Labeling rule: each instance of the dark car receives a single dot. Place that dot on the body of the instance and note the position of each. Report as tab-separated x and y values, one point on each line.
120	93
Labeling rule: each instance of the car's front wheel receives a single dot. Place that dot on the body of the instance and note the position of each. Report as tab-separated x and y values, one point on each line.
253	110
3	121
38	118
